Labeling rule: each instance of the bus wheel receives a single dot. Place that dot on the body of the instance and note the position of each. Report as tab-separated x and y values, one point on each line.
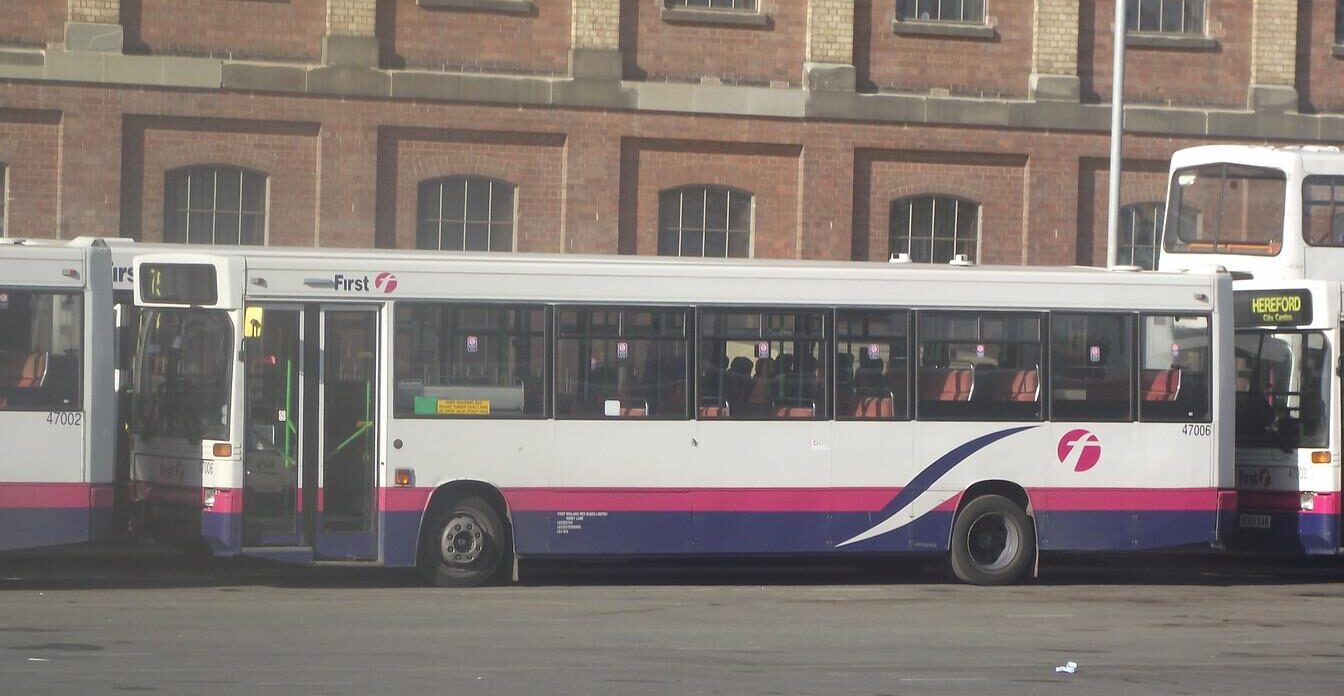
992	541
463	544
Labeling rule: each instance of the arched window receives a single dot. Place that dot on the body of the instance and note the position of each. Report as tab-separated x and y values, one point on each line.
465	213
1140	234
933	229
214	204
708	221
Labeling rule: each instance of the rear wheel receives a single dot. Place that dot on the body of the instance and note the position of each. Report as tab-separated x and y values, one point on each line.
993	541
464	544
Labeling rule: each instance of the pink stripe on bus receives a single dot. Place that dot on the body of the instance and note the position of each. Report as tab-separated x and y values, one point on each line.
31	496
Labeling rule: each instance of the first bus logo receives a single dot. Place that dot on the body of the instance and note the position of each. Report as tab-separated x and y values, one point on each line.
384	282
1081	448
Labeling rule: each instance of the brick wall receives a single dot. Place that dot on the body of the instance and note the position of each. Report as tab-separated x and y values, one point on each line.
1055	37
662	51
100	11
830	31
1179	77
596	24
767	171
995	181
901	62
32	22
1274	26
274	30
476	41
351	17
1142	181
532	163
1320	75
285	151
30	147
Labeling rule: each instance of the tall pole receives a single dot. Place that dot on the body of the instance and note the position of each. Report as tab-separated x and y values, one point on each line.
1117	123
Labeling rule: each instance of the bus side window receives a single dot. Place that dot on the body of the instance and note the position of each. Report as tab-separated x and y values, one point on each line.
1091	357
1174	367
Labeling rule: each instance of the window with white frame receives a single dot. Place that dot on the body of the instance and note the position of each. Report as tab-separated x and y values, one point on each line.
1140	234
743	5
708	221
466	213
965	11
214	204
1165	16
934	229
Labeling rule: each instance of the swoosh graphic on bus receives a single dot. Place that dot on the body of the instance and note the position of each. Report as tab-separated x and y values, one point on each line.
925	479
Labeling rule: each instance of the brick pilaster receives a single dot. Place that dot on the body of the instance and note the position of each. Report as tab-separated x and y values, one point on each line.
1054	50
350	40
1273	56
829	59
93	25
595	39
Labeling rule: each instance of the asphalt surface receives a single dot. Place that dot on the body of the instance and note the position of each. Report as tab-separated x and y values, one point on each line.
82	622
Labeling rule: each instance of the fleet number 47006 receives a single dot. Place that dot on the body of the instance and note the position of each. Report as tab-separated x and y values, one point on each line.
1197	429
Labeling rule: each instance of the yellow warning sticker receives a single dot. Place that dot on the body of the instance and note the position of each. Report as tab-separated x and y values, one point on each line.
463	407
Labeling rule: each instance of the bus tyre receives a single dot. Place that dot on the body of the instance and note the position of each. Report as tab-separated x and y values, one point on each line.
993	541
463	544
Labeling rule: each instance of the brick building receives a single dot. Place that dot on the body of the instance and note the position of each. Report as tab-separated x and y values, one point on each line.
837	129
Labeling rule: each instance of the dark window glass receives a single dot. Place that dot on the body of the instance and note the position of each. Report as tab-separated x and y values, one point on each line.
1174	369
1140	234
483	361
979	366
872	364
214	204
1091	358
1165	16
465	213
1323	210
621	362
762	364
932	229
1283	380
4	196
1226	208
972	11
41	344
704	221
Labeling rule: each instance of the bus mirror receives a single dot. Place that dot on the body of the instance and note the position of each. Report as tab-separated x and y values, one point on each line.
253	322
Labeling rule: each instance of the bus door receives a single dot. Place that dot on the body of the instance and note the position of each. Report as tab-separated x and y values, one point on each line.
310	477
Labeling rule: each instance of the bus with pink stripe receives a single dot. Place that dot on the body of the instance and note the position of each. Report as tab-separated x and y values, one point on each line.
460	412
57	416
1274	217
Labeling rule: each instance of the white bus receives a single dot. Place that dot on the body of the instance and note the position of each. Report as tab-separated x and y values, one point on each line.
57	415
1274	217
456	412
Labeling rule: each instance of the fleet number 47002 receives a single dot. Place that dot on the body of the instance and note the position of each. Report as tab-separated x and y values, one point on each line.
1197	429
65	418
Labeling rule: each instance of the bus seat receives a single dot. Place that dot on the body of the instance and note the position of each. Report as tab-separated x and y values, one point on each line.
795	409
1161	385
634	408
714	409
947	384
34	371
880	406
1025	386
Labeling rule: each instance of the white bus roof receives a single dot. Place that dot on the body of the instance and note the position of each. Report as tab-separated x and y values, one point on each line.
1306	159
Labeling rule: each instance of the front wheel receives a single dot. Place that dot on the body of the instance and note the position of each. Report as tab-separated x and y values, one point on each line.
993	541
464	544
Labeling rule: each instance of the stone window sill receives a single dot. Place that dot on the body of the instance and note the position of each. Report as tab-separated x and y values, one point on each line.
1337	50
1180	42
950	30
506	6
729	18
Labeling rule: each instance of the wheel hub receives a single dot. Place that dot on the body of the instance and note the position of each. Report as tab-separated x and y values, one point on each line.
993	542
461	541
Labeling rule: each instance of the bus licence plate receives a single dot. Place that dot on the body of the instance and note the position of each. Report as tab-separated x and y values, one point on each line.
1253	521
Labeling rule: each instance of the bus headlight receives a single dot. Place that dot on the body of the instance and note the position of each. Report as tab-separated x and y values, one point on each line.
1308	500
208	497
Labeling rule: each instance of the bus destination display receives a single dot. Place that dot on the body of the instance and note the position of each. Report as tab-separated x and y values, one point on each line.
178	283
1272	307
